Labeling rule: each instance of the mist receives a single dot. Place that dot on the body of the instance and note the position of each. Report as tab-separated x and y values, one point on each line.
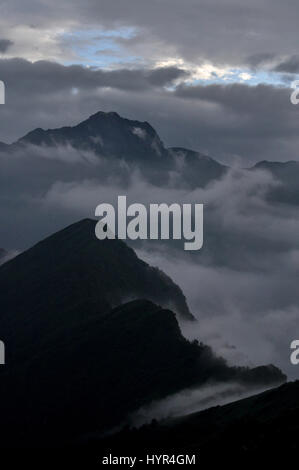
241	286
192	401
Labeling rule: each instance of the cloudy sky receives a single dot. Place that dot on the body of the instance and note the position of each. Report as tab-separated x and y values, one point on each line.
211	75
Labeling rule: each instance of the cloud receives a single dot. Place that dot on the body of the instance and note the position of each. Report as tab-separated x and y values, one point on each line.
260	59
288	65
242	285
232	123
5	45
192	401
245	76
220	32
166	75
51	77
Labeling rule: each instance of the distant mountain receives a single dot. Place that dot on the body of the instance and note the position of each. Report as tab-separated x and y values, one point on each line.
197	169
262	428
137	143
106	134
74	272
111	136
288	170
79	356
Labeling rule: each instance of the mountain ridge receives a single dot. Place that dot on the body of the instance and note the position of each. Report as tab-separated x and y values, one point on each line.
77	246
111	136
81	355
35	136
262	428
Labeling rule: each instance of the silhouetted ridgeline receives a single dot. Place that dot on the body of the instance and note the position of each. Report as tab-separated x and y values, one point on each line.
77	361
260	430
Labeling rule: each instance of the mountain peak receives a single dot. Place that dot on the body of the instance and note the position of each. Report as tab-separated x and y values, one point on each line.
78	339
83	270
110	136
107	135
103	114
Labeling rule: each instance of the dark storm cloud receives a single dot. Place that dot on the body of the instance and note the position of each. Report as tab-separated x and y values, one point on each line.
231	123
240	98
256	122
48	87
259	59
51	77
220	31
4	45
166	75
289	65
215	30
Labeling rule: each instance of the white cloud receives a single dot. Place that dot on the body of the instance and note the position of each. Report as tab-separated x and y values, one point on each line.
245	76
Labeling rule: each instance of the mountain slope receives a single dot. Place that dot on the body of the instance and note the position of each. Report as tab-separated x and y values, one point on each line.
75	366
106	134
119	140
196	169
111	136
75	273
260	429
6	255
85	378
